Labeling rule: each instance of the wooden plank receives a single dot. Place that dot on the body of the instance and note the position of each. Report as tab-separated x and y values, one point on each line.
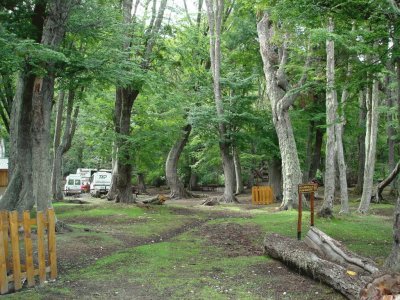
253	195
41	249
15	250
30	270
4	229
52	243
268	195
3	259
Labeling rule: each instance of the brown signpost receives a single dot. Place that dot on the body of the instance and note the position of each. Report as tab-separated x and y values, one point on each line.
308	188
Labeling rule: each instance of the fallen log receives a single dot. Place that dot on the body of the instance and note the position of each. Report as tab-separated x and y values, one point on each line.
298	255
334	251
156	200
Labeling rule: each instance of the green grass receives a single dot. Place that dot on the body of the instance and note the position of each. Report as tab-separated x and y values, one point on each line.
187	266
368	235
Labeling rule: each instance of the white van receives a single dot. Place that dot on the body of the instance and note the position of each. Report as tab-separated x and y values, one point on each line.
100	183
73	184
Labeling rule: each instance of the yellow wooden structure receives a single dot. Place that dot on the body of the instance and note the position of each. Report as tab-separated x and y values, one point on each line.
12	269
262	195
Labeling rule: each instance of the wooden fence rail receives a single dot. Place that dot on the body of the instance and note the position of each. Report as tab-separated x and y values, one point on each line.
262	195
11	267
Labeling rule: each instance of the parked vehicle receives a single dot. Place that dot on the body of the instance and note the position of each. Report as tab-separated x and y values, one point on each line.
86	174
100	183
73	184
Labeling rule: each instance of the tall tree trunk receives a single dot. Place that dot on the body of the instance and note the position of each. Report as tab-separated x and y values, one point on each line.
275	177
60	148
141	184
171	166
57	165
281	96
126	97
238	171
30	183
391	133
121	186
370	145
361	143
307	163
344	198
393	261
215	10
316	159
331	107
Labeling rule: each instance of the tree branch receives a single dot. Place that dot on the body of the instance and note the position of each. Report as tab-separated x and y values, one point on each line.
187	13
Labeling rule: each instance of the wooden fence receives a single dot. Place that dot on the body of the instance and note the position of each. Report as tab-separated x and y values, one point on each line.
262	195
12	269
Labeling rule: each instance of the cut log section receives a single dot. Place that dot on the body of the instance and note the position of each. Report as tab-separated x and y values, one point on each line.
297	254
334	251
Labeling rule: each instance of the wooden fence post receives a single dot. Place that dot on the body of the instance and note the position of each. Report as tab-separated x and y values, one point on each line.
52	243
15	250
40	242
4	228
3	257
30	271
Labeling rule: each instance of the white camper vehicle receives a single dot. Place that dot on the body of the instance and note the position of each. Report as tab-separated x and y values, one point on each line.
100	183
73	184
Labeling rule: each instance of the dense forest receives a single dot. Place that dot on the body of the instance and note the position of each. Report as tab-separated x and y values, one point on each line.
134	78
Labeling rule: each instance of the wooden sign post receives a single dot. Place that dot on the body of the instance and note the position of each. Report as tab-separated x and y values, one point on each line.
309	188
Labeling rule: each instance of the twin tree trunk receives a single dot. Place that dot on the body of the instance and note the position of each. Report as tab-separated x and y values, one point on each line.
121	186
334	131
30	121
171	166
62	146
372	102
281	98
215	10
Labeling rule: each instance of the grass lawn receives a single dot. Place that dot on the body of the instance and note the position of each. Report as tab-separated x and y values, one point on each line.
176	252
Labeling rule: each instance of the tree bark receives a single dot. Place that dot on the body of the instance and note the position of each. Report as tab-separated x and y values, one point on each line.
370	145
30	182
281	96
215	10
275	177
331	108
193	181
308	158
176	186
393	261
335	252
341	163
361	144
316	159
238	172
296	254
391	132
126	97
141	184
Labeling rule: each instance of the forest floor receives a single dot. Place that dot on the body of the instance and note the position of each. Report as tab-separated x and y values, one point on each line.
183	250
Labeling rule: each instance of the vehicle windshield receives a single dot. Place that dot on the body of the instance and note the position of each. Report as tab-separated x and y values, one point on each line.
70	182
77	182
